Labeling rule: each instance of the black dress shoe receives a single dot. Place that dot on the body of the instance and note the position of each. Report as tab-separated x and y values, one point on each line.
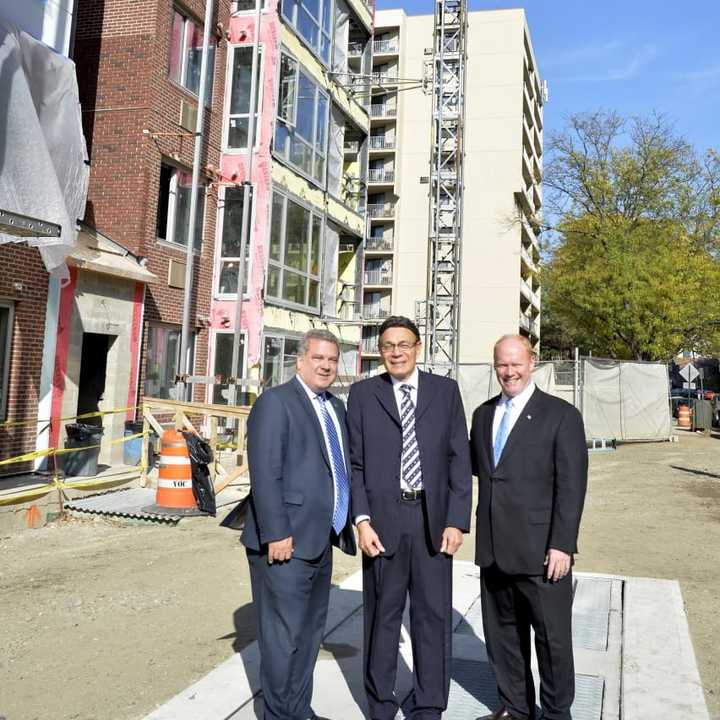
501	714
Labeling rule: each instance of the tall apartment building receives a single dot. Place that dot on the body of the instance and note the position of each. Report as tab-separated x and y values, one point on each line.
500	290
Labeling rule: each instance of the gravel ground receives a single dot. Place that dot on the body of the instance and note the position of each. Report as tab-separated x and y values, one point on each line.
104	621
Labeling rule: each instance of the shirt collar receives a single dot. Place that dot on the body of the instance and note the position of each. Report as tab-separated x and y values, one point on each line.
520	399
310	392
412	381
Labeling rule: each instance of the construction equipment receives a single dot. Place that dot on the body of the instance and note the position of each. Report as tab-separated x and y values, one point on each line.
440	315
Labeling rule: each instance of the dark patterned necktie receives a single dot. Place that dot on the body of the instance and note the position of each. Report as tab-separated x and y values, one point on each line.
410	458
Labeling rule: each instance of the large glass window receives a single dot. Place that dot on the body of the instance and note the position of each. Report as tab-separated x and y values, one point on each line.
186	41
231	207
300	135
295	250
6	329
222	367
236	134
279	359
173	213
311	18
162	360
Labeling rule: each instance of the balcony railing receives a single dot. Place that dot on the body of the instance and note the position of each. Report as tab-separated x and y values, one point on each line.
351	146
380	175
379	244
385	46
381	143
383	110
384	78
375	312
381	210
370	344
378	277
355	49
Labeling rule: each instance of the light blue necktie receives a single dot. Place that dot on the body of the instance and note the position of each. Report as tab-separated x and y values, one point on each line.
342	494
502	433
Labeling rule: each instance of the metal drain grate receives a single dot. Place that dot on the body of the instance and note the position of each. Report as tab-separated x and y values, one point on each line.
591	613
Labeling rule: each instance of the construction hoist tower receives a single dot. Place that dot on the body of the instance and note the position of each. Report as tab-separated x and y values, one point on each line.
441	313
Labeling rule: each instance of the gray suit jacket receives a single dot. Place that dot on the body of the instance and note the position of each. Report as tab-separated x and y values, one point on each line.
292	491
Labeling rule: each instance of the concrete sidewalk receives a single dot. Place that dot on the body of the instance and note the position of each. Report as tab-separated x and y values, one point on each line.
633	658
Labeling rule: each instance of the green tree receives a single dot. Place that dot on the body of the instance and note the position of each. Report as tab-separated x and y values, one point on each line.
632	266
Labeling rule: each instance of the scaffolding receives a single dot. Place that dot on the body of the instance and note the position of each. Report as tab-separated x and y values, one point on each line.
439	315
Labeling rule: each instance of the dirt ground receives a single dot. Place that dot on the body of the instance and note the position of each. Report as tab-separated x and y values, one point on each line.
102	621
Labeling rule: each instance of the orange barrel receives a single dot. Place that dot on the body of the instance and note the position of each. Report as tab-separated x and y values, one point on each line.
174	488
684	414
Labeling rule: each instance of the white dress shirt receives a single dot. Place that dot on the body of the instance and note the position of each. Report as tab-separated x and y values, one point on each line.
315	401
413	382
518	405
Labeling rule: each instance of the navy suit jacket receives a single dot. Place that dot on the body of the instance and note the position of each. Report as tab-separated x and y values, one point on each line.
292	489
533	499
375	449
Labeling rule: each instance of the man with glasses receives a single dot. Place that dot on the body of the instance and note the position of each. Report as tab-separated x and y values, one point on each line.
411	502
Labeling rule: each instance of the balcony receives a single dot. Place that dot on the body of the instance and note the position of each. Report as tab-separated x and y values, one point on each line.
527	292
351	146
355	49
375	312
379	244
386	47
370	345
380	142
528	259
381	210
384	79
381	276
380	111
380	175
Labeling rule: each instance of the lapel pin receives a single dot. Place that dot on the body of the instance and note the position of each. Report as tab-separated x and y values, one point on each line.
529	417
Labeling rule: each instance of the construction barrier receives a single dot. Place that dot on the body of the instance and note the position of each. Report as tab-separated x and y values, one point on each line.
174	488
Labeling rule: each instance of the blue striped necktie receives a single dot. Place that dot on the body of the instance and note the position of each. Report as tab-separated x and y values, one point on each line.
342	486
502	433
410	458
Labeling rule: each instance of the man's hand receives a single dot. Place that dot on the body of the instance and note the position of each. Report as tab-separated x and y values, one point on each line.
557	563
452	539
280	550
368	539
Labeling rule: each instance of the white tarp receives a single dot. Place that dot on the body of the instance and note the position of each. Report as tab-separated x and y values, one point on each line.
43	170
625	400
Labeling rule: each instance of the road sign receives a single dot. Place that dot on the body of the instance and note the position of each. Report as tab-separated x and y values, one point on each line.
689	372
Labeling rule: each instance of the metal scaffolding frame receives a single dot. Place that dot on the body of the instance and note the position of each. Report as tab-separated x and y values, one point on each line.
441	312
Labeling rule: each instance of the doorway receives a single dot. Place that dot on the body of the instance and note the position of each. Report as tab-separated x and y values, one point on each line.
93	373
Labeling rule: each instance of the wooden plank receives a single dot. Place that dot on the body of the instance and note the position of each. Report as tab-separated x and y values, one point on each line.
194	408
213	447
229	478
154	424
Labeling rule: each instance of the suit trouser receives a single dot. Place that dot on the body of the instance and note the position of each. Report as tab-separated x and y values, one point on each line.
425	575
291	602
511	604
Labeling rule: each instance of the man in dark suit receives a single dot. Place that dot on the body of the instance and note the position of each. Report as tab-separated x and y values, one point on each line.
411	498
298	453
529	454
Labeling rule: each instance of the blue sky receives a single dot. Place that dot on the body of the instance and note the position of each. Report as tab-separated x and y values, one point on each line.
632	56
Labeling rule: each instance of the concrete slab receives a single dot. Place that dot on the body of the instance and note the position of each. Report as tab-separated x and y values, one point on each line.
636	640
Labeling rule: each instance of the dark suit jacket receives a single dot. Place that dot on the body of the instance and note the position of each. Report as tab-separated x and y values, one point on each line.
533	499
292	490
376	444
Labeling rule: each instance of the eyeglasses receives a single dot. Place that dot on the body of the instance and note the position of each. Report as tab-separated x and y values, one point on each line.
388	347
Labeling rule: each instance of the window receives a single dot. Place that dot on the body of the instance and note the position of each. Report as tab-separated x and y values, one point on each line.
186	41
243	6
301	132
230	238
173	214
311	19
6	330
163	361
294	258
236	133
222	366
279	359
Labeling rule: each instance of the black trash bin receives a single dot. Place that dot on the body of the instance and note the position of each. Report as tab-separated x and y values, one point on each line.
81	439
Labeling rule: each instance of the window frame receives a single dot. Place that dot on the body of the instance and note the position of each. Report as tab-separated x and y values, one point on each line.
238	12
213	356
5	369
181	80
290	126
172	210
227	116
219	257
168	327
280	264
279	335
329	32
